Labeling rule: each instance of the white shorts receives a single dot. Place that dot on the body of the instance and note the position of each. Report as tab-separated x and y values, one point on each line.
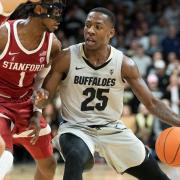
115	143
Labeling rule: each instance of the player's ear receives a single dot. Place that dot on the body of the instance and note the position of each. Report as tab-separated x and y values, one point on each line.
39	9
112	32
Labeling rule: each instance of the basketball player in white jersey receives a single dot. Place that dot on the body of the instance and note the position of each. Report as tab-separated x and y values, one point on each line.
92	78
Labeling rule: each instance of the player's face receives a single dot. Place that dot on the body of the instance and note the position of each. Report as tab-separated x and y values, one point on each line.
52	24
98	30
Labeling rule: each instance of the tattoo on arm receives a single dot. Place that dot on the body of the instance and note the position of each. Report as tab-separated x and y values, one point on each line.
165	114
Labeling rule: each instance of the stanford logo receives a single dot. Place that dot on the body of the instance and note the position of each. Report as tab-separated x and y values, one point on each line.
42	59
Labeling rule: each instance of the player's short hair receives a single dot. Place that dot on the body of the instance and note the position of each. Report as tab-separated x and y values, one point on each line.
107	12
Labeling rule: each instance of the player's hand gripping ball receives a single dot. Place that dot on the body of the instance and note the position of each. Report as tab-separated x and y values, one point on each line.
168	146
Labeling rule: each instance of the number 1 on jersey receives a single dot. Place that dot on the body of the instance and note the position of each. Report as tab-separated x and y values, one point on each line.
22	75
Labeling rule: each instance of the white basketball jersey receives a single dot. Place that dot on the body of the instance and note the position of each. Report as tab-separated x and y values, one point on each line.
92	95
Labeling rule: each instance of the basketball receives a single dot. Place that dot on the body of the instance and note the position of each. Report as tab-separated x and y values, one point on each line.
168	146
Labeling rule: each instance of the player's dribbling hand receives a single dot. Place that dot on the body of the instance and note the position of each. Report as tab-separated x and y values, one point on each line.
40	97
35	125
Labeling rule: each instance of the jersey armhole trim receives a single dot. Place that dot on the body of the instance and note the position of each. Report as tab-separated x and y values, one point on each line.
120	70
22	48
66	75
7	43
49	47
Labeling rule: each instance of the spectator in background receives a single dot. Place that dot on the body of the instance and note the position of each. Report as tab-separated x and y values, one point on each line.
160	28
142	38
173	93
128	117
157	56
153	82
130	99
119	42
72	24
142	60
153	45
133	47
144	125
173	64
160	71
172	12
171	43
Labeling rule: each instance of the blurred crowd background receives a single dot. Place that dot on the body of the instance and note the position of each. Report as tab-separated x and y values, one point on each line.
148	31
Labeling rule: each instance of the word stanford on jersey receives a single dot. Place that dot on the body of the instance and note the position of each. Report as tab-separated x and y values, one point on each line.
22	66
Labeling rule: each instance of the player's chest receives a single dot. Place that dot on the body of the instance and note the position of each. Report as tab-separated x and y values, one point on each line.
18	61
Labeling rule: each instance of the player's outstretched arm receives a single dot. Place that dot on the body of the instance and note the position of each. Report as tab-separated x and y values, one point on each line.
131	74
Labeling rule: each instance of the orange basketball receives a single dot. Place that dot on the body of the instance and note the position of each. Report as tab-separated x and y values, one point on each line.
168	146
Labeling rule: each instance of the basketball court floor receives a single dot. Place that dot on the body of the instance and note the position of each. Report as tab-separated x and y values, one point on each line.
99	172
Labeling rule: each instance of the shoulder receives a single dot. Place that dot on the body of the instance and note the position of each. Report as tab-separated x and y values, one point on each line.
61	62
64	54
56	45
3	36
3	30
129	68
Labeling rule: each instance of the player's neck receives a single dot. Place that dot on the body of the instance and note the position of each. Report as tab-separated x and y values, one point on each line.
33	27
97	57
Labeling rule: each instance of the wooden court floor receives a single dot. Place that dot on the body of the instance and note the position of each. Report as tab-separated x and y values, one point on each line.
99	172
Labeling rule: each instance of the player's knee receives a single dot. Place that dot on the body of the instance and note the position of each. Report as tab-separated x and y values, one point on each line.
48	167
51	167
75	158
